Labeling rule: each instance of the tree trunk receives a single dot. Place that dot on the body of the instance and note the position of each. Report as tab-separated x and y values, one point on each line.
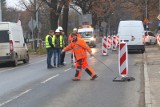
53	20
65	17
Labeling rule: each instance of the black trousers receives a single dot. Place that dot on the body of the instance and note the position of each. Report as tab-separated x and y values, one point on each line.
62	57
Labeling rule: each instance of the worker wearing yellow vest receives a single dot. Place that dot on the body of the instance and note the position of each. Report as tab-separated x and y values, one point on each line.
80	49
49	48
65	44
58	43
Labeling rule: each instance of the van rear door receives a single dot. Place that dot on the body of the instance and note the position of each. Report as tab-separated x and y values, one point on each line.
4	43
131	35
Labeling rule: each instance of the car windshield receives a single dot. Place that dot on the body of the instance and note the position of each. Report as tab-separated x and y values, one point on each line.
86	34
4	36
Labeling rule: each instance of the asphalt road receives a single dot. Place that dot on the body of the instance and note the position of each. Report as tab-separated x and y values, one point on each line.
33	85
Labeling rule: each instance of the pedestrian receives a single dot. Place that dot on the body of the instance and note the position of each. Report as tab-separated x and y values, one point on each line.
75	30
80	49
65	44
58	42
49	48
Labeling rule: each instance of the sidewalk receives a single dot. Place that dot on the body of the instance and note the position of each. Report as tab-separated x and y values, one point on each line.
152	76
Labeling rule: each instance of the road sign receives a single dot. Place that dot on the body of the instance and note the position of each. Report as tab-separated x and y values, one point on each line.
158	17
32	24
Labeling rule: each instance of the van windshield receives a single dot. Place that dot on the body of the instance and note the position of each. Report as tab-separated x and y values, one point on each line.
4	36
86	34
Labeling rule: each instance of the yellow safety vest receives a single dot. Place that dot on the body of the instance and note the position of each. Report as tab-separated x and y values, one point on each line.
61	40
47	42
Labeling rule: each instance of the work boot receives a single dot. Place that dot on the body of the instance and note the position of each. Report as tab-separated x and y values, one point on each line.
94	77
50	67
76	79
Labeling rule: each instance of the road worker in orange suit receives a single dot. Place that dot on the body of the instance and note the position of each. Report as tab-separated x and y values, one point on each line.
75	30
80	49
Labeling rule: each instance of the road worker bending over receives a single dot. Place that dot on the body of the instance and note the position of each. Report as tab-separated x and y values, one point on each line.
80	49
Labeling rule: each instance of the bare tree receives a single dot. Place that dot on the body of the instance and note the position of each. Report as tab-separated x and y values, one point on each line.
65	16
56	8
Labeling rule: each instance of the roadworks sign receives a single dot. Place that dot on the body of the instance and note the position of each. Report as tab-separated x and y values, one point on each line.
158	17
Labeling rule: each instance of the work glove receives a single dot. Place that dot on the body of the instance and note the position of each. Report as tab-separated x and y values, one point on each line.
62	51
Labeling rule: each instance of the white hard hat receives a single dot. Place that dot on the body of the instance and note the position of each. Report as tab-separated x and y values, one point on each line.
57	30
75	29
60	28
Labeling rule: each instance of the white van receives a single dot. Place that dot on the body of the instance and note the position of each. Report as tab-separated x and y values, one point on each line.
132	32
88	35
12	45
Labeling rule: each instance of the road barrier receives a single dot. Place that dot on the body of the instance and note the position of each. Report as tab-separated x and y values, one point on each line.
123	59
123	63
158	39
104	46
108	42
114	42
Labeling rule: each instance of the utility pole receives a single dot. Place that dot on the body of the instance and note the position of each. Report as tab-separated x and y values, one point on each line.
0	10
159	7
146	7
146	13
37	22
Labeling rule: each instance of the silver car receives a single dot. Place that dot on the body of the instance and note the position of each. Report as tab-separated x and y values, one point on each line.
149	38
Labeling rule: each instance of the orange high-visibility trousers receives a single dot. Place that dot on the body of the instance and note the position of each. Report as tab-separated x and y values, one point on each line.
83	64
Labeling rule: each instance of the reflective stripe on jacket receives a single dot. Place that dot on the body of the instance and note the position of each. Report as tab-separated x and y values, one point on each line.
61	41
79	47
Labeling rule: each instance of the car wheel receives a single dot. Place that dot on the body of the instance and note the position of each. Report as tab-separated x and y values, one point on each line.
15	62
26	60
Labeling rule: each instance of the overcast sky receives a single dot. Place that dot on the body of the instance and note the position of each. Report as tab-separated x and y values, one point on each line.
12	3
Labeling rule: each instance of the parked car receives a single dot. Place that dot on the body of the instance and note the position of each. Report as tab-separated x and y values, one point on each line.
12	45
149	38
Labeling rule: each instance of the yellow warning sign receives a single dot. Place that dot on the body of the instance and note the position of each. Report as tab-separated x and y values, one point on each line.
158	17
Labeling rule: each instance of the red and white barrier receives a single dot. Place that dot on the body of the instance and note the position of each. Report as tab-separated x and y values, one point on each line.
123	64
114	42
158	39
123	59
104	46
109	42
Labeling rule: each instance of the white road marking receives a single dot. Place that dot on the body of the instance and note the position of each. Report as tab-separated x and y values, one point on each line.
19	95
22	66
67	69
7	70
36	62
50	78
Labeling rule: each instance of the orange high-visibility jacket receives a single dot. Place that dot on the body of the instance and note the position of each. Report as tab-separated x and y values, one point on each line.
70	37
79	48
